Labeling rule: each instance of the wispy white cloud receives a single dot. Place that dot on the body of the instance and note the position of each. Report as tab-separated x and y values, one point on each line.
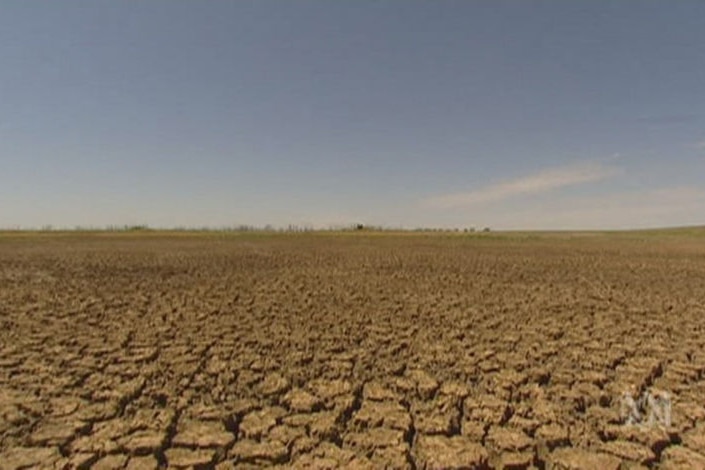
660	207
700	145
541	182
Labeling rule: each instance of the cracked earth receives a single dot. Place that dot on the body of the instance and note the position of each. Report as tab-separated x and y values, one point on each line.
154	351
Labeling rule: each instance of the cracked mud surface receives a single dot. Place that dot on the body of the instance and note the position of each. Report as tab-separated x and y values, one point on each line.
353	351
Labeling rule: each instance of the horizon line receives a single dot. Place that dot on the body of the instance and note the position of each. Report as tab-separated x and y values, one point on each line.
295	228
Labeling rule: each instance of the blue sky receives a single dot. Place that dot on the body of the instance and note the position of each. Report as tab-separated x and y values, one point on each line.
509	114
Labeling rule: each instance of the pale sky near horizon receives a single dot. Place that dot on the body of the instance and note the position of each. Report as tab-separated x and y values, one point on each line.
510	114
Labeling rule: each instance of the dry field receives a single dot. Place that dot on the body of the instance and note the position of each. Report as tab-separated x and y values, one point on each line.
358	350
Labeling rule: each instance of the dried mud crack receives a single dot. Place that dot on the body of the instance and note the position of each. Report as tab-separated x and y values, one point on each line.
162	351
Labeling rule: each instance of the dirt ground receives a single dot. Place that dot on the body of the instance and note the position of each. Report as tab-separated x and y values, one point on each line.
359	350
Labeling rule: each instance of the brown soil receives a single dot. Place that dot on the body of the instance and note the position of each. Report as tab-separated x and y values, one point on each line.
348	351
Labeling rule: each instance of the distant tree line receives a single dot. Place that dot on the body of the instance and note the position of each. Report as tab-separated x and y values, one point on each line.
291	228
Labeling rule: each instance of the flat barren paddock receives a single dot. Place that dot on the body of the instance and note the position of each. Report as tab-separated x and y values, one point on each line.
358	350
